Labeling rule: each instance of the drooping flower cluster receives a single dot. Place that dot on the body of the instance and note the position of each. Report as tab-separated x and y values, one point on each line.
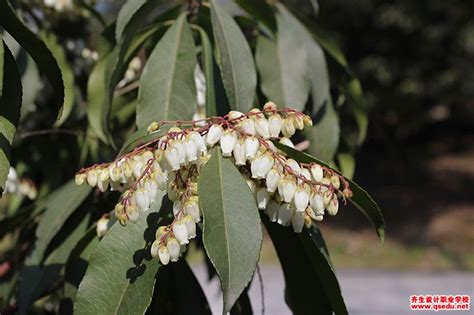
289	192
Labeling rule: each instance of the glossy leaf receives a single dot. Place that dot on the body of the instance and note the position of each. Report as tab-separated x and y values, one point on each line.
178	292
121	272
68	75
36	277
167	88
36	48
10	107
283	65
304	293
234	59
360	199
59	207
232	233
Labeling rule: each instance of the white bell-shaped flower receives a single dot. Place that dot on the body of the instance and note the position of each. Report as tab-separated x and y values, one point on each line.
288	127
80	179
333	206
251	147
199	141
317	172
233	114
180	231
262	198
287	142
261	166
262	128
317	204
269	106
179	145
173	248
271	180
297	221
239	153
102	226
335	181
152	188
177	206
214	134
191	150
191	207
172	158
142	198
248	127
132	213
327	196
191	226
274	122
164	254
272	210
286	189
284	214
137	165
306	173
227	142
298	121
161	179
294	166
301	199
103	180
155	246
92	177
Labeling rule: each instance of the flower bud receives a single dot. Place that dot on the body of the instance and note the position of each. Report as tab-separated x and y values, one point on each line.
239	153
180	231
298	121
335	181
191	150
142	198
251	147
190	225
287	142
317	172
307	121
132	213
162	230
154	248
214	134
262	128
262	198
333	206
327	196
173	248
307	221
102	226
284	214
288	127
233	114
80	178
248	126
227	142
164	254
154	126
347	193
120	213
255	114
297	221
274	122
272	179
301	199
269	106
92	177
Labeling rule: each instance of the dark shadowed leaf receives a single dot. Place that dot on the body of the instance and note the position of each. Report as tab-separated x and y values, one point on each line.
261	10
234	59
167	88
178	292
360	199
232	232
126	13
10	107
242	306
36	48
121	272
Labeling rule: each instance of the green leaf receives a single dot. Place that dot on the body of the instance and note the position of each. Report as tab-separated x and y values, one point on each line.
36	277
232	233
121	272
324	134
178	292
261	10
36	48
283	65
346	163
59	207
142	136
10	107
360	199
234	59
242	306
68	75
126	13
304	293
208	65
167	88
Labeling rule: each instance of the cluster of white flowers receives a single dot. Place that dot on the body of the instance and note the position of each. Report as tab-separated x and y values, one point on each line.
289	192
20	186
59	5
132	72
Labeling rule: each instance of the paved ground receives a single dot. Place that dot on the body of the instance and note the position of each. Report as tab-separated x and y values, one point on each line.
366	292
